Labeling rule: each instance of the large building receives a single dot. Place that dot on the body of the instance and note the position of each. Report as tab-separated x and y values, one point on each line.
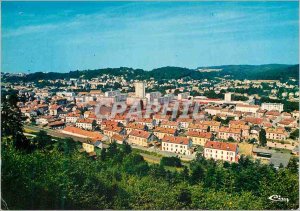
272	106
227	97
140	90
177	144
247	108
221	151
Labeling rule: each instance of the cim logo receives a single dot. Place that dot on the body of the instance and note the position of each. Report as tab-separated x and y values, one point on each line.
278	198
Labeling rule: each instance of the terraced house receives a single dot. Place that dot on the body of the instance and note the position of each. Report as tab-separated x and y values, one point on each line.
141	138
160	132
199	138
221	151
276	134
226	132
177	144
86	124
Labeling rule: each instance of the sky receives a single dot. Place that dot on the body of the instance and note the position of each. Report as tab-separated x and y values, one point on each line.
66	36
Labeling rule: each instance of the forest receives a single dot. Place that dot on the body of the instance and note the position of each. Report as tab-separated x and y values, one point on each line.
56	178
241	72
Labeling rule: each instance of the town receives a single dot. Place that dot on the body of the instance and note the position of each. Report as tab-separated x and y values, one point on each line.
221	129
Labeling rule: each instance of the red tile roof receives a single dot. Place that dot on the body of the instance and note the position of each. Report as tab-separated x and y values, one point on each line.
136	126
176	139
118	137
164	130
207	135
229	130
140	133
95	136
221	145
88	121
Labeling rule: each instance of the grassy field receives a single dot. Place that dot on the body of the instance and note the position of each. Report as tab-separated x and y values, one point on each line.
26	130
245	149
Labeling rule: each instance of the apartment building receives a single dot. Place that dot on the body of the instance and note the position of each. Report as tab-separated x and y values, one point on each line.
177	144
272	106
276	133
214	126
160	132
221	151
199	138
72	117
110	130
146	121
169	124
86	124
197	127
184	122
247	108
226	132
141	138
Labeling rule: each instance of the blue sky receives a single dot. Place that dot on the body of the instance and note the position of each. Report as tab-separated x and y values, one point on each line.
64	36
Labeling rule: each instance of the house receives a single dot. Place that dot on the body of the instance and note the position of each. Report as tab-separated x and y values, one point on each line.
254	120
106	123
72	117
110	130
158	118
273	113
260	113
119	139
184	122
276	133
213	126
295	114
213	110
141	138
242	126
247	108
198	127
55	110
89	145
177	144
288	122
74	131
226	132
169	124
221	151
121	119
134	126
199	138
86	124
160	132
44	120
56	125
146	121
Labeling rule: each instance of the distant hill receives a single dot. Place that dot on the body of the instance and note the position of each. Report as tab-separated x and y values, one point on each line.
253	72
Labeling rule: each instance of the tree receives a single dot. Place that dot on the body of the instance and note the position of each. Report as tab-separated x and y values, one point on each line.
230	139
293	165
126	148
197	174
295	134
68	146
185	173
103	154
42	141
171	161
112	149
252	141
262	137
12	122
